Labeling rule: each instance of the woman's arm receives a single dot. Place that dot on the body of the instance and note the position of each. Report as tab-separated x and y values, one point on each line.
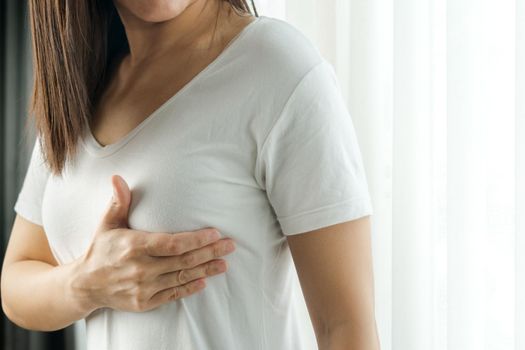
122	269
334	265
34	289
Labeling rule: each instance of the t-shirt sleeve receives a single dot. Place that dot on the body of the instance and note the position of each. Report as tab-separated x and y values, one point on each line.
29	201
310	163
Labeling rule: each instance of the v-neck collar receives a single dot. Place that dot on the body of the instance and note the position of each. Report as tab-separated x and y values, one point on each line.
96	149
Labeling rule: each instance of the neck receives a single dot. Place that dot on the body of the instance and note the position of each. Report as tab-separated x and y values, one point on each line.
192	27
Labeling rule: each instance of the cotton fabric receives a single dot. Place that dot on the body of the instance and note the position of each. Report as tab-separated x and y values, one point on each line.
259	145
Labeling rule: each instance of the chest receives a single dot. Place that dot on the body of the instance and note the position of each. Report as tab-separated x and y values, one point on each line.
182	175
132	95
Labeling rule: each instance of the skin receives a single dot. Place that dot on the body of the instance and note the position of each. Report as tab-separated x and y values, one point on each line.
334	265
165	54
123	269
170	42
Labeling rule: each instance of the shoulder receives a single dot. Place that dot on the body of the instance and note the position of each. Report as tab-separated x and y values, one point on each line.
278	49
280	72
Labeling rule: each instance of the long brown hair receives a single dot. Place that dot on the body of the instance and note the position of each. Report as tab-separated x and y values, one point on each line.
74	45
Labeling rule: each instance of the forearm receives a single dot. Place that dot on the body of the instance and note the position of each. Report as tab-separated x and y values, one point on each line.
38	296
346	337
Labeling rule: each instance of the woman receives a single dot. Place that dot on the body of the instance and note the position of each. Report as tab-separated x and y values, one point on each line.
213	119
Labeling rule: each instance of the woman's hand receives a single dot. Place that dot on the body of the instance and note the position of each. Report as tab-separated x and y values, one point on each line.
132	270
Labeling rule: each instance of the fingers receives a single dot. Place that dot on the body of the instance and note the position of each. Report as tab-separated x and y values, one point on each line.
167	244
181	277
116	214
174	293
193	258
179	284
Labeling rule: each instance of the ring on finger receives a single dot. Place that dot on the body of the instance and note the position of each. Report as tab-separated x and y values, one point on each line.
179	277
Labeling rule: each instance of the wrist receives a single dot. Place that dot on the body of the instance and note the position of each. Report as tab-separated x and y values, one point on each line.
77	291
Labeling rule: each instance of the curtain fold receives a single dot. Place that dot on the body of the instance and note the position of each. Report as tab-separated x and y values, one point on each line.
520	176
435	89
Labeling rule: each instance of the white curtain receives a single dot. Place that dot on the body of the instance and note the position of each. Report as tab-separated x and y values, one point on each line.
436	91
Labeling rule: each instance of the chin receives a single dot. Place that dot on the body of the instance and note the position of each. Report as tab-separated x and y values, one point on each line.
154	10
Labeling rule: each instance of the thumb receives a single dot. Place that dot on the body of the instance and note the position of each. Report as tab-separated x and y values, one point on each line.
116	214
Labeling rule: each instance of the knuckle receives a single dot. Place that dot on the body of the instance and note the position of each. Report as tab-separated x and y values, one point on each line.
125	236
151	246
129	247
139	272
188	260
201	240
176	247
189	288
175	294
140	293
217	250
127	253
139	304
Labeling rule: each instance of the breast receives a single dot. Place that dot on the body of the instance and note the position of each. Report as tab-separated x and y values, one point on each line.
178	183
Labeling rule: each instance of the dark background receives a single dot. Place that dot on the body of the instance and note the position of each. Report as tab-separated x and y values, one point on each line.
16	141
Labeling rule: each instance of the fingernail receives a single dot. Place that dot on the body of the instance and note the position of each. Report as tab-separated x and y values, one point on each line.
218	267
229	246
213	235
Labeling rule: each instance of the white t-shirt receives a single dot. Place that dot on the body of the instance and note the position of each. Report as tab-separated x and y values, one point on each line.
260	145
